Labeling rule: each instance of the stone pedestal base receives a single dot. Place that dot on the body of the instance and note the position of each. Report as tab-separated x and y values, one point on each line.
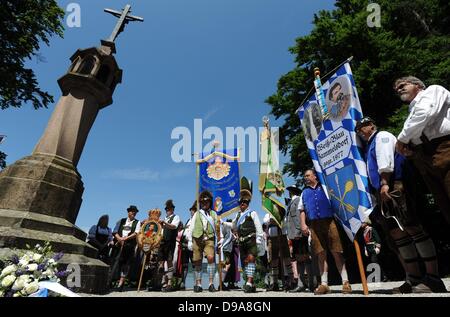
40	197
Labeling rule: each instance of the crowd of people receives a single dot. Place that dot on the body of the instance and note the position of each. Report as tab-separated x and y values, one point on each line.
293	255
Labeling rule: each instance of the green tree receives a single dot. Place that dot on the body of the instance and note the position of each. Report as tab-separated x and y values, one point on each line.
413	40
24	26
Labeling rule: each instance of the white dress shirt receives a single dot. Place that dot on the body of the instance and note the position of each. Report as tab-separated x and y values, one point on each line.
429	114
385	150
127	227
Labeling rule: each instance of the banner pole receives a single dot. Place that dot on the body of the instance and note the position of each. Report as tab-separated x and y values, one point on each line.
220	254
142	271
361	268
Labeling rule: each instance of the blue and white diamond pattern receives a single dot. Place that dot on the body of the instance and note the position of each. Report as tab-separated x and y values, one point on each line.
354	158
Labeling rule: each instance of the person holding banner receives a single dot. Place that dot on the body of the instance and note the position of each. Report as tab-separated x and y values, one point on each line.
426	135
316	218
250	236
167	248
203	237
390	180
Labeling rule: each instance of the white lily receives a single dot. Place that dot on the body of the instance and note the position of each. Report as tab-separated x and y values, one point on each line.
31	287
8	280
37	257
8	270
20	282
32	267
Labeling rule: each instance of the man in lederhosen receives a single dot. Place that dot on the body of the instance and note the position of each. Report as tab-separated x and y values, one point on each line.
167	248
125	233
250	234
202	233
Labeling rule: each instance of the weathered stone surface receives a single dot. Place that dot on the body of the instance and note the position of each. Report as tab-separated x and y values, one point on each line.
34	221
43	184
40	195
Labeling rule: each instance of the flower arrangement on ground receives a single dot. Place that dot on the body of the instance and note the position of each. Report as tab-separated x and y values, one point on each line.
23	271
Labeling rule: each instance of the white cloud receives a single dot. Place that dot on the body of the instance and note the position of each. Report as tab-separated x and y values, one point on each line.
145	174
176	172
132	174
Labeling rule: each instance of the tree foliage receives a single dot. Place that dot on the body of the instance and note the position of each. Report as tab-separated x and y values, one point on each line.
413	40
24	26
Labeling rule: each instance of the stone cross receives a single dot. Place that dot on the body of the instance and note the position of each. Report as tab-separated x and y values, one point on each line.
124	18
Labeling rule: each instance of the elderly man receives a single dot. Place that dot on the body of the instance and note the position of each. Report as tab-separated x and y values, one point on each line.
389	179
426	135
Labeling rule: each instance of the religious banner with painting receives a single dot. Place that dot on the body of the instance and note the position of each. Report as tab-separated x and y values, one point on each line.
218	173
150	236
328	120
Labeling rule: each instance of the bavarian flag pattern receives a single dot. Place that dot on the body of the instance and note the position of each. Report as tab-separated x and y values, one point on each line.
335	149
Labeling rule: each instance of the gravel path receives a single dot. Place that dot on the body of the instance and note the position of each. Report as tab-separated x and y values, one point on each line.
375	290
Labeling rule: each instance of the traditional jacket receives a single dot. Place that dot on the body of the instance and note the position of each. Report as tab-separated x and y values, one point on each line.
292	219
315	203
201	224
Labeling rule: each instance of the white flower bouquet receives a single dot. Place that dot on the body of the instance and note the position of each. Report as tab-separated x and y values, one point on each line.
22	272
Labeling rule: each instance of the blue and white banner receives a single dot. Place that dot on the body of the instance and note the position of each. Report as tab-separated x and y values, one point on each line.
218	172
333	147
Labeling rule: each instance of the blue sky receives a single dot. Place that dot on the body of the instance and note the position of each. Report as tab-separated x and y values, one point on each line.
215	60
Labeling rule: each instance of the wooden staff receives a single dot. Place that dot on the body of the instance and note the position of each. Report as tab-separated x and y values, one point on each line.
115	264
142	271
361	267
220	254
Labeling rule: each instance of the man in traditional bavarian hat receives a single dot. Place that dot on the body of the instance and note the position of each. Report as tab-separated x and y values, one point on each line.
167	248
125	233
250	234
202	233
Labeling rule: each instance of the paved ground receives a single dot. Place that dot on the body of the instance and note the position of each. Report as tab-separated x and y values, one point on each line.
375	290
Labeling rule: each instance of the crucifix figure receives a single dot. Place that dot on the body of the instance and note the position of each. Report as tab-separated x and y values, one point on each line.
124	18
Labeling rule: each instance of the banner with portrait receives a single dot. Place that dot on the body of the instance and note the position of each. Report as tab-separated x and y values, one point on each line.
218	172
333	147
